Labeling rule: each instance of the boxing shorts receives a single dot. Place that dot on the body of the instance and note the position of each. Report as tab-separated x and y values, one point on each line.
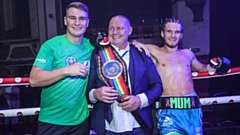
184	102
179	115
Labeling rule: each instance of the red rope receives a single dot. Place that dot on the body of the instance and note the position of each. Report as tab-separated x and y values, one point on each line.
14	80
195	75
203	75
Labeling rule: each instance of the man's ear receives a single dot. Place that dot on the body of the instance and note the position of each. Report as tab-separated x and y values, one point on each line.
65	20
181	36
162	33
88	22
130	30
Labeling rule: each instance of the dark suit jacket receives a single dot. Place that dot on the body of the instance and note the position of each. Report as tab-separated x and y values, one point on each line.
144	79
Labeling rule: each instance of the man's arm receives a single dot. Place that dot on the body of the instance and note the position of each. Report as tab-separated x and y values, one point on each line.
140	46
153	52
148	48
41	78
196	65
218	64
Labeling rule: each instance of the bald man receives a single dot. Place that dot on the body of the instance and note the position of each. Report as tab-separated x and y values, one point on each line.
114	112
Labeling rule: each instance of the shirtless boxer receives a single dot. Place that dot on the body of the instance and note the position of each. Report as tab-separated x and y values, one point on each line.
180	110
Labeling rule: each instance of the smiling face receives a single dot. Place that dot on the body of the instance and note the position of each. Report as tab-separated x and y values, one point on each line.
77	22
118	31
172	34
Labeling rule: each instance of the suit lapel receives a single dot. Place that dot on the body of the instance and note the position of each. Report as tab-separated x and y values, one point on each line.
135	67
131	70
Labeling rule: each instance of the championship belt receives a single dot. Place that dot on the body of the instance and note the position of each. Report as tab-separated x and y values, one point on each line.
112	71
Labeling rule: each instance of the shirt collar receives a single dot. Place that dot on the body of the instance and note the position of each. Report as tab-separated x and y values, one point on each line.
123	50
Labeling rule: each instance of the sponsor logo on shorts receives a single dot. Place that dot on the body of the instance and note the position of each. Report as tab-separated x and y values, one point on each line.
181	103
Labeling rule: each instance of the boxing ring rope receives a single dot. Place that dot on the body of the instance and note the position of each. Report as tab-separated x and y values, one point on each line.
205	75
195	75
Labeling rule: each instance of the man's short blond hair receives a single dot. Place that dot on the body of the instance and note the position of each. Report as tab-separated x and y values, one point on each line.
78	5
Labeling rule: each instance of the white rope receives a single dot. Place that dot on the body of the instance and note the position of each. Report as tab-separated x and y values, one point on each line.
14	84
36	110
196	75
19	112
214	76
14	81
219	100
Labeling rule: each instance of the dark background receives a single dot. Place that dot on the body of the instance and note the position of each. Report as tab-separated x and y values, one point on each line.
224	31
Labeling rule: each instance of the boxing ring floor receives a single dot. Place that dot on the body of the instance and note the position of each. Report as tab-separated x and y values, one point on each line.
207	101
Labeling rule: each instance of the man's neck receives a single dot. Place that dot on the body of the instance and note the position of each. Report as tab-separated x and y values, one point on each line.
169	49
75	40
121	47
